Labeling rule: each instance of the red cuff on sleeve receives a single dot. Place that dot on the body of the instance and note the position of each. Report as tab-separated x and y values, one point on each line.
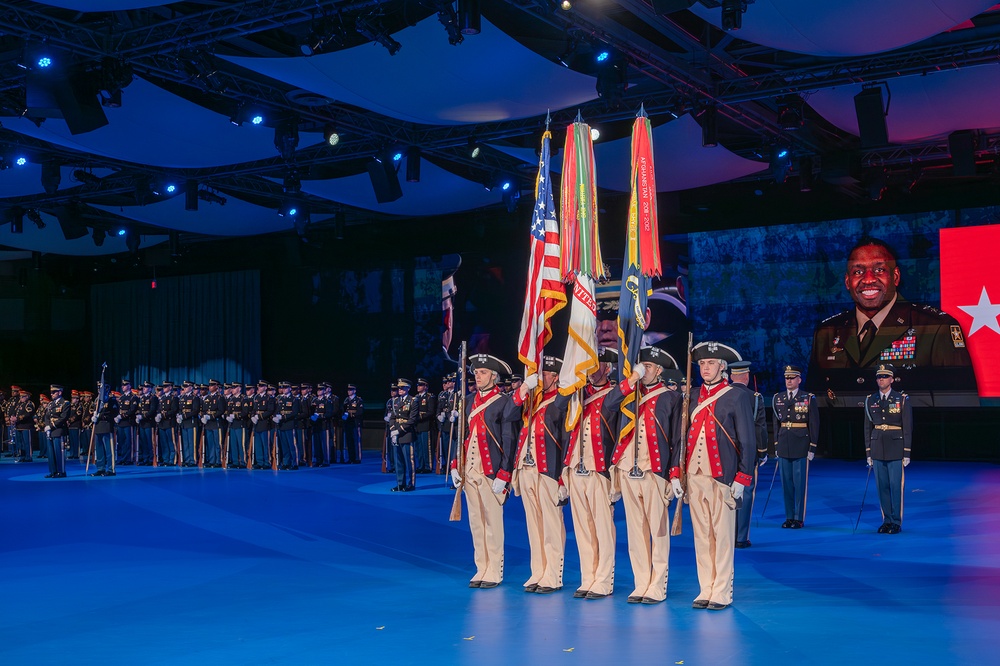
627	387
454	463
503	475
675	472
743	479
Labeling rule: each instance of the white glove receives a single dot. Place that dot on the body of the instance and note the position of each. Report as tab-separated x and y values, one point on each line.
93	419
456	479
344	417
276	418
738	489
441	417
498	486
48	429
394	439
454	415
158	418
138	419
675	484
531	381
231	418
180	418
562	493
906	461
763	461
636	375
204	420
118	419
811	456
386	419
615	496
254	419
314	417
869	462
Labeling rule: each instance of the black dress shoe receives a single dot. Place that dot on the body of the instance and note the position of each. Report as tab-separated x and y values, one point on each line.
580	594
98	473
475	583
542	589
60	475
788	523
486	584
699	603
49	476
531	588
635	600
884	528
797	525
596	595
895	528
410	489
650	601
712	605
110	474
743	544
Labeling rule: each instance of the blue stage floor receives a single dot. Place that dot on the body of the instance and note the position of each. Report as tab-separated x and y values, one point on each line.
326	566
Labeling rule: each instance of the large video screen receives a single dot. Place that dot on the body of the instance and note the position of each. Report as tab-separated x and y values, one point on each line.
801	295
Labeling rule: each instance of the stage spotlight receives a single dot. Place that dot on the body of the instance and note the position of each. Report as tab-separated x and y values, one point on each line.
510	196
191	195
474	148
35	217
286	139
612	77
121	232
248	113
710	127
98	236
566	5
288	208
413	165
20	160
330	135
15	216
85	177
44	62
469	17
211	197
603	55
781	162
51	177
732	14
790	118
164	188
449	19
373	30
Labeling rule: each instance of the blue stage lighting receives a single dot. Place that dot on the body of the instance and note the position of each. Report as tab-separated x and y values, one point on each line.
603	55
121	232
21	161
397	156
257	119
171	189
293	211
44	62
782	153
505	186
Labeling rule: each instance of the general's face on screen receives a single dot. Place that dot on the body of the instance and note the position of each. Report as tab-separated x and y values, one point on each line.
872	278
710	369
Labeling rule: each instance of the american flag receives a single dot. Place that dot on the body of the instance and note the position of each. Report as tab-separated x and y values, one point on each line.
544	294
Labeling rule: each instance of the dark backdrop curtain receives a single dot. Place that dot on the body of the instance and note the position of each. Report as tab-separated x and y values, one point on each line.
196	327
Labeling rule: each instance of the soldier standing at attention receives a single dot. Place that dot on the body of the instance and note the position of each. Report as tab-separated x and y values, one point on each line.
888	436
56	419
128	405
426	411
354	414
796	418
402	423
212	409
145	419
287	406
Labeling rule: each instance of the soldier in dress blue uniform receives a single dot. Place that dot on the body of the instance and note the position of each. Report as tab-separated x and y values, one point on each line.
287	411
189	408
263	409
74	425
402	423
888	436
56	427
426	412
387	451
213	409
103	420
321	417
237	413
166	433
22	418
304	423
145	420
128	405
739	374
43	438
796	419
353	418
